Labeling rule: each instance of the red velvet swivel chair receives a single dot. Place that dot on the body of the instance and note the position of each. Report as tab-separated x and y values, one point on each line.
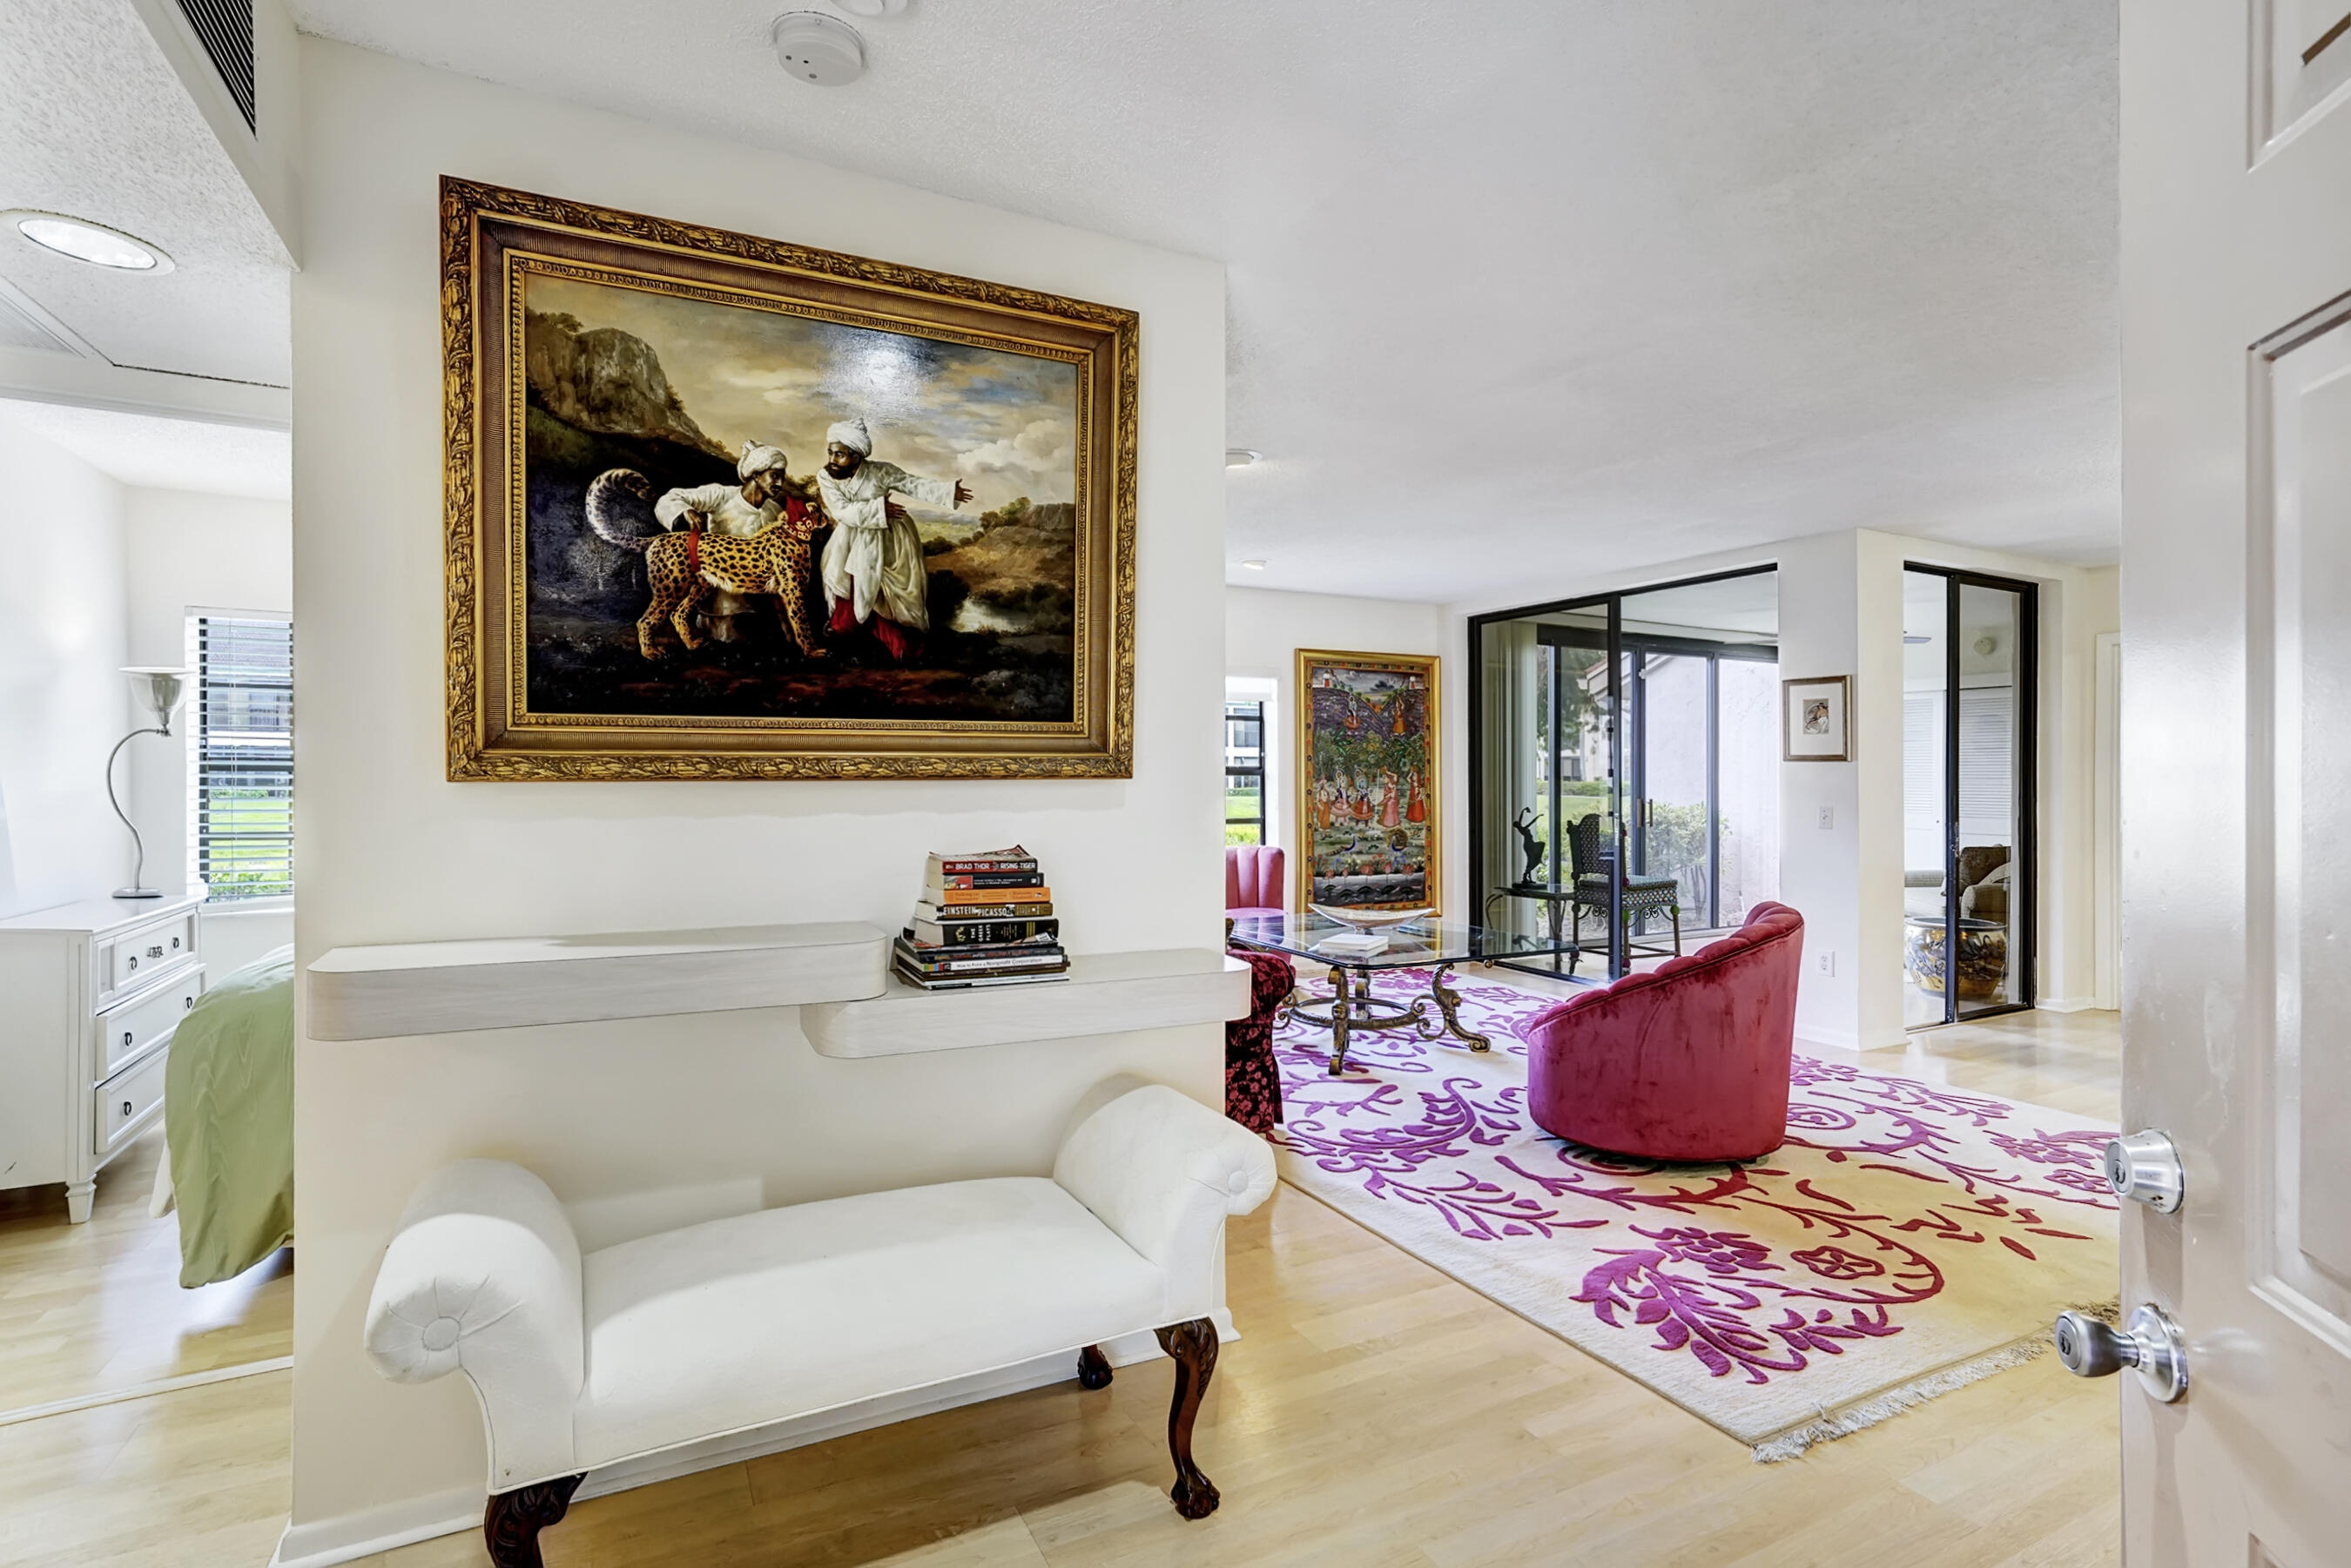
1688	1061
1253	880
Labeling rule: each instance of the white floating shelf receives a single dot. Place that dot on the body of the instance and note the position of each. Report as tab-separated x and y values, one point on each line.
447	987
1108	993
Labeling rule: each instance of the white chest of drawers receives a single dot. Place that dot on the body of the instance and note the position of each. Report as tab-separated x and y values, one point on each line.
89	994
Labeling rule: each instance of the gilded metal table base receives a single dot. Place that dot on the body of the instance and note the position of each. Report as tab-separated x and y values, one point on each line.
1351	1007
1449	1002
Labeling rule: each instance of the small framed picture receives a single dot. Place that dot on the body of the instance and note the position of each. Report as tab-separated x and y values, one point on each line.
1813	714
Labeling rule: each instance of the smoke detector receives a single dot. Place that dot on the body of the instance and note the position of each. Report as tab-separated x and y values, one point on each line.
820	48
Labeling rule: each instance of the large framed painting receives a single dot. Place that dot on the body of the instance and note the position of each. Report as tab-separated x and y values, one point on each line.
720	507
1367	820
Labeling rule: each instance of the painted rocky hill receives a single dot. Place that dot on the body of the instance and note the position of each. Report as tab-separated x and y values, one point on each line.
605	381
597	400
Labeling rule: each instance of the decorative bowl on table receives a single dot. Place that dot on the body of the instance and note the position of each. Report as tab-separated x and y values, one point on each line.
1369	919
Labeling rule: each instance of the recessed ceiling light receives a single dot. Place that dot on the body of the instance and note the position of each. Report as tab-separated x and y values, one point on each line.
1253	566
1241	456
89	242
817	46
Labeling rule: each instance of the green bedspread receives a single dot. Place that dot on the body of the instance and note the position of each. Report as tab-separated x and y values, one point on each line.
228	1116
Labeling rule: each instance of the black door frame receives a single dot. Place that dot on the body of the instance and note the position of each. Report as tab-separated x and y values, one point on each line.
2025	852
1612	605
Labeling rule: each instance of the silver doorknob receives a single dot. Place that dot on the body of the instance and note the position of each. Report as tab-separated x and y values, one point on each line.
2149	1341
2144	1167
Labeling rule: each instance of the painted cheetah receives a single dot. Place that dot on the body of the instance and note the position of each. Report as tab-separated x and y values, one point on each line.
684	567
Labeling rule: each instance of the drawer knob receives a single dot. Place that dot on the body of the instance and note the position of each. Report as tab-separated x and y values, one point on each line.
126	1107
176	941
134	960
126	1040
186	1002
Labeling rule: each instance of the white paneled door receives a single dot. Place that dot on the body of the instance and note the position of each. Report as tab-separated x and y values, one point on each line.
2236	775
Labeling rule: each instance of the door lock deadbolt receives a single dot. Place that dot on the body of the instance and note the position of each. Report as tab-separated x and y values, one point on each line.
2144	1167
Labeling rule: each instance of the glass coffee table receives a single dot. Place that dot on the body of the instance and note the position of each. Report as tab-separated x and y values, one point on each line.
1436	945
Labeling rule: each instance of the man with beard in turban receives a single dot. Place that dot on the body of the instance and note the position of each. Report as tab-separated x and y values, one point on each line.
872	569
768	495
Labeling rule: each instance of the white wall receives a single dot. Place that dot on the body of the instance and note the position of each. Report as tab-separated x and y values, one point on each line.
1264	628
63	700
1826	873
191	551
661	1118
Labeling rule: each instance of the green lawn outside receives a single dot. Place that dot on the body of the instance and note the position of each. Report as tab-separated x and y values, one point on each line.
254	870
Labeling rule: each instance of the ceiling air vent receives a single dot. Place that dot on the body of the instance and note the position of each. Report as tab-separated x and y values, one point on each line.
225	27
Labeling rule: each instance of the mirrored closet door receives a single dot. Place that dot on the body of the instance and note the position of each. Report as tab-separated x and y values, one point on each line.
1968	725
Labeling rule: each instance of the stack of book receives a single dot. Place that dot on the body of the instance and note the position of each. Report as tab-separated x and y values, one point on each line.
986	919
1354	943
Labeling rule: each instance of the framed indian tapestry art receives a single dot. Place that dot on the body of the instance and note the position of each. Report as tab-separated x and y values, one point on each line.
720	507
1367	824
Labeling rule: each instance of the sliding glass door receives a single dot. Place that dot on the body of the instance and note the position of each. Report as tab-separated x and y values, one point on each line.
1968	726
1624	767
1544	748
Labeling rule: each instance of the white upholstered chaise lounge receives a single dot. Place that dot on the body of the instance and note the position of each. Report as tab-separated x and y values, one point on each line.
585	1361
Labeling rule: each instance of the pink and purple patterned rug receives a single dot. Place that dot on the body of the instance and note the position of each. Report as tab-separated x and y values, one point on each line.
1905	1241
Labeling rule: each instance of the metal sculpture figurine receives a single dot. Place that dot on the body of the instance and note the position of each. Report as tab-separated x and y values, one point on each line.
1528	845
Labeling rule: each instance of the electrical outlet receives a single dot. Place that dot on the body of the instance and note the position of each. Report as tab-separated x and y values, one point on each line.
1826	962
1828	817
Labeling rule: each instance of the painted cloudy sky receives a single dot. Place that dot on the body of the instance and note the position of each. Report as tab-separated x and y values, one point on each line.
1004	423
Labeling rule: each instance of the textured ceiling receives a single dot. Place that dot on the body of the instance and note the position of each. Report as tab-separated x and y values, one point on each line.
166	454
94	123
1521	290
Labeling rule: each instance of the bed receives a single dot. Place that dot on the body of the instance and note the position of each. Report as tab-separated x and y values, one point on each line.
228	1123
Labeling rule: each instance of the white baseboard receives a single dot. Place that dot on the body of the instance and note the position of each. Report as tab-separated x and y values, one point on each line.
346	1537
2069	1005
1849	1040
370	1530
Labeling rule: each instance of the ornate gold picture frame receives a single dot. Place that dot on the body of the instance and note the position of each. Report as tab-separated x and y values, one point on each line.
1368	826
719	506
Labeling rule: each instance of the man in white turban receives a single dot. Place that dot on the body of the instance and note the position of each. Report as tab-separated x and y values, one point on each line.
768	495
873	570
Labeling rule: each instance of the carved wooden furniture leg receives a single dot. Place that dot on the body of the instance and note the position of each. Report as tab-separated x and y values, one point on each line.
1193	1346
511	1523
1449	1002
1094	1368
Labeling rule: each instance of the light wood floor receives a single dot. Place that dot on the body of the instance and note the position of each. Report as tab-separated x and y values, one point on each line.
89	1309
1376	1413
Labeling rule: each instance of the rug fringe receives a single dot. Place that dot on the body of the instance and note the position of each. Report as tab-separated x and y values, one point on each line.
1884	1406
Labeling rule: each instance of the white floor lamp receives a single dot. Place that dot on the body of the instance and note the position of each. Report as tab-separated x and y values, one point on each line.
158	690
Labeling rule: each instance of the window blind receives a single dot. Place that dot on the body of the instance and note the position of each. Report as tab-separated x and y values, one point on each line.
241	756
1988	750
